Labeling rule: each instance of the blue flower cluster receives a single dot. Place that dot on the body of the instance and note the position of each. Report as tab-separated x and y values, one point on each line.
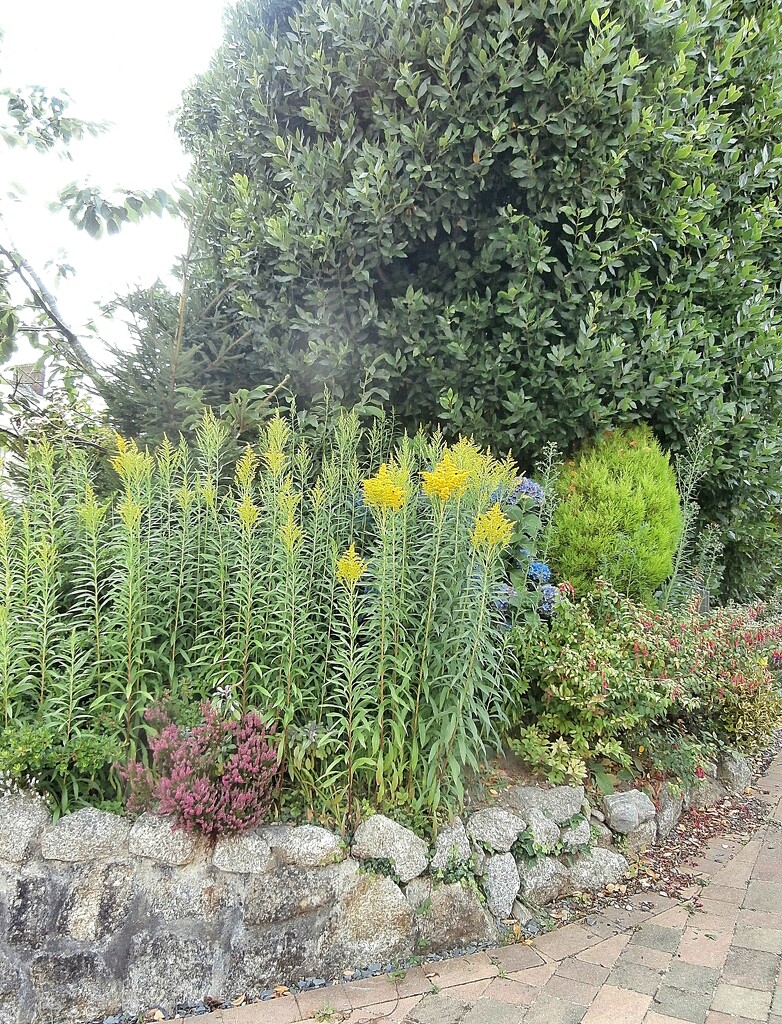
503	595
539	572
523	488
549	596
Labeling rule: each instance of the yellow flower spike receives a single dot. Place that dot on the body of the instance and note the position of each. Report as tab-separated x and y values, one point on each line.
90	511
275	460
245	469
208	492
247	512
185	496
291	534
318	494
130	513
492	529
350	568
446	480
389	488
277	433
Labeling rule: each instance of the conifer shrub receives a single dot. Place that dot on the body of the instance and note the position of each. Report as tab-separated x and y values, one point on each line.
620	515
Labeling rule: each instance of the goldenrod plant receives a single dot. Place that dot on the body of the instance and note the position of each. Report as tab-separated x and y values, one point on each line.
342	590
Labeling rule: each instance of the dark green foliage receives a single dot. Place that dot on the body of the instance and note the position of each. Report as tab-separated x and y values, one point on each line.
532	219
619	516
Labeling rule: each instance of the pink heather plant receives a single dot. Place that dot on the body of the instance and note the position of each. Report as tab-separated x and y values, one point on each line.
216	779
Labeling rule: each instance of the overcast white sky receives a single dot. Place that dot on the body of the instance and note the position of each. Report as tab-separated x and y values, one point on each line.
120	63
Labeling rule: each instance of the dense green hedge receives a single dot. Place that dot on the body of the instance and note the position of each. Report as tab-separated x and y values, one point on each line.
529	219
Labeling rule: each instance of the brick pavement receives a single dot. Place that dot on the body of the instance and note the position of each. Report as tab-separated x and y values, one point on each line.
717	962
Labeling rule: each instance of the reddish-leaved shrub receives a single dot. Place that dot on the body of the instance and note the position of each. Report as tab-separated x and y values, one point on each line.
216	779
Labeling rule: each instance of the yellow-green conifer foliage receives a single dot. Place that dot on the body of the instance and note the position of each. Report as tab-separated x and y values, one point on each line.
620	514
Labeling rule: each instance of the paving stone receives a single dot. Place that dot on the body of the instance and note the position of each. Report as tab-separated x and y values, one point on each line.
762	895
516	957
535	976
578	992
617	1006
578	970
657	937
689	977
636	977
656	959
564	942
715	1017
547	1010
707	948
438	1009
745	1002
691	1006
769	940
776	1005
490	1011
506	990
750	969
315	1001
726	894
605	953
661	1018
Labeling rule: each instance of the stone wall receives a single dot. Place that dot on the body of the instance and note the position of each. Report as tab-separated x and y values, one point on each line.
100	914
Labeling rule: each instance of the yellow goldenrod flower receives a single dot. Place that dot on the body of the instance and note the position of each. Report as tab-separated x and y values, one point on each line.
318	494
90	511
129	463
350	568
389	488
208	491
247	512
492	529
130	513
275	460
291	534
245	469
446	480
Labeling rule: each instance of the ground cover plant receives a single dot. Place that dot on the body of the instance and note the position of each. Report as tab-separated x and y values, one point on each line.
344	593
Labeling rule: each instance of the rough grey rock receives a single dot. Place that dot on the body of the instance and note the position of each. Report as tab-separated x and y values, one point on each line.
597	868
669	811
705	792
372	922
604	837
259	958
495	828
155	837
242	855
597	815
380	838
641	838
23	818
544	832
560	803
97	904
308	846
86	835
734	772
172	895
501	882
12	1003
452	844
30	910
542	880
626	811
166	968
72	986
449	915
575	836
290	891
